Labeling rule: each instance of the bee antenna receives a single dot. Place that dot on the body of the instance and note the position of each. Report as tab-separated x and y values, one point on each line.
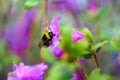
53	34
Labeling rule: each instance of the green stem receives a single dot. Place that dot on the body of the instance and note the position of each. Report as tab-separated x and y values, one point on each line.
95	58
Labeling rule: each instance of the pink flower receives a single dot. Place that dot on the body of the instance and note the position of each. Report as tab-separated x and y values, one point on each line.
57	52
78	75
77	36
82	61
25	72
18	36
54	27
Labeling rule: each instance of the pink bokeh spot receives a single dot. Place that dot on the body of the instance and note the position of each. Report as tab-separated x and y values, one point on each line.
77	36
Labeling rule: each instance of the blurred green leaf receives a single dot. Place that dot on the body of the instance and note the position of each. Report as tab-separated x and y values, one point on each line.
0	66
31	3
80	49
66	39
97	46
88	17
2	46
8	60
75	49
47	55
115	44
59	71
97	75
119	34
103	14
88	35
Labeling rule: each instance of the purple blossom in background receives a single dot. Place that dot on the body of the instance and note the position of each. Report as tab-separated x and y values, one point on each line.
72	6
93	6
1	34
115	66
77	36
25	72
93	3
78	75
18	36
77	6
54	27
106	1
57	52
82	61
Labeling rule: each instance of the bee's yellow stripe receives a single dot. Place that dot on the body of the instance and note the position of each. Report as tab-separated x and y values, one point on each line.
47	35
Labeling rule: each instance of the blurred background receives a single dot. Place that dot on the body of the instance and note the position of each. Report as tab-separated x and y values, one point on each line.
21	29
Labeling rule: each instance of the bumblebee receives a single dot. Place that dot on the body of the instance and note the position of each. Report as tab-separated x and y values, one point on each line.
46	39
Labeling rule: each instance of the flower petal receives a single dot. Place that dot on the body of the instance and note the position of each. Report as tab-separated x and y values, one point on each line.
76	36
18	37
25	72
55	24
57	52
54	27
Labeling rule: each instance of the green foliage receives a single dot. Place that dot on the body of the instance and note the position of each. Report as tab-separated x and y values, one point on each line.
47	55
0	66
31	3
115	44
119	34
103	14
88	35
8	60
88	17
97	75
60	71
80	49
75	49
2	46
97	46
66	39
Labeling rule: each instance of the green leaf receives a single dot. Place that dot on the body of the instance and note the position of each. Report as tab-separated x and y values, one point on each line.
31	3
74	49
88	35
99	45
80	49
115	44
47	55
66	38
97	75
8	60
59	71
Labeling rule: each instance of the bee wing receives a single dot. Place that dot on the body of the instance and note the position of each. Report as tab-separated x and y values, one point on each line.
41	44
